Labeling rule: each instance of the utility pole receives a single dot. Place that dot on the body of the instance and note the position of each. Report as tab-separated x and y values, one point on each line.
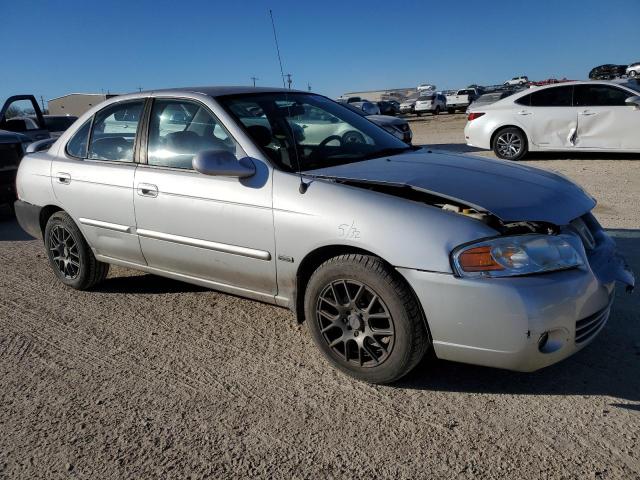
139	89
42	103
289	81
254	80
308	86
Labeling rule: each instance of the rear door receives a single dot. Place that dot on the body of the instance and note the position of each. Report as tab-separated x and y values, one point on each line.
93	177
605	121
548	117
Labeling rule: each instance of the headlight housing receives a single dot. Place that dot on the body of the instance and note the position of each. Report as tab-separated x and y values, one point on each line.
517	255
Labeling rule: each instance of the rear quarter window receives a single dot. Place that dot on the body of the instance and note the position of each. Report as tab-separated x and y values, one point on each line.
77	146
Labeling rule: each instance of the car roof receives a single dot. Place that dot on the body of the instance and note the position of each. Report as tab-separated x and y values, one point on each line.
220	91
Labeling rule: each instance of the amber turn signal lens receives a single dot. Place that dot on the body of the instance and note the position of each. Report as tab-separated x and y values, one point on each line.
478	259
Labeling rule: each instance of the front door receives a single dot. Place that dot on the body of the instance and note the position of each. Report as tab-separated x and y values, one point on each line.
605	120
204	227
93	179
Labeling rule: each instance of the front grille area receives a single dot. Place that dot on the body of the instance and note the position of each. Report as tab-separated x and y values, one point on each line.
589	326
10	154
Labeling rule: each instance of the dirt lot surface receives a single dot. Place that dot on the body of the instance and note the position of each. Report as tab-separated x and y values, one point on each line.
150	378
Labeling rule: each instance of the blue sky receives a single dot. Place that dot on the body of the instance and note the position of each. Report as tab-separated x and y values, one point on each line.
51	48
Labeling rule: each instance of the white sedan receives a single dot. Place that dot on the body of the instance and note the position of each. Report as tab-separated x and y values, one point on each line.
575	116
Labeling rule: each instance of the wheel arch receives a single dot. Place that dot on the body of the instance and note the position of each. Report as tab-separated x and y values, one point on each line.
502	127
45	215
317	257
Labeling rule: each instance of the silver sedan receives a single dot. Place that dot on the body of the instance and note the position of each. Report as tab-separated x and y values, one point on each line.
385	250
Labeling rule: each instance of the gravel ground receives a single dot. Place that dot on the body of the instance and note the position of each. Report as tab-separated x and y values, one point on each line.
147	377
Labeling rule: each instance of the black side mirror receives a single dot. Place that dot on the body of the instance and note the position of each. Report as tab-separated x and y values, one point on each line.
223	163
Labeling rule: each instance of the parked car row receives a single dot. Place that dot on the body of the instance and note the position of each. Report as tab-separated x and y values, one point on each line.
610	71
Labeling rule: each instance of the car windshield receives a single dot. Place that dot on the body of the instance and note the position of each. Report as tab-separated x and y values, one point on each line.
300	131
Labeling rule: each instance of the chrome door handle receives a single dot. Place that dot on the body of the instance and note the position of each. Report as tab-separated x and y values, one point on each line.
63	178
147	190
587	113
524	112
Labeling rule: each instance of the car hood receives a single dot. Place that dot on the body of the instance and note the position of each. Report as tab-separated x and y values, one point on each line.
510	191
386	120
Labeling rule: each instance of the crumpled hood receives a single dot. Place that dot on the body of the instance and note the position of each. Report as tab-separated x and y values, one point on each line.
510	191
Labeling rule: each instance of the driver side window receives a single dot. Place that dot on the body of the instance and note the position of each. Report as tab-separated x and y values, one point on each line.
178	130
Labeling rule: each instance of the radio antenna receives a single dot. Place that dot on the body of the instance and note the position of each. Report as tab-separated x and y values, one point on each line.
303	186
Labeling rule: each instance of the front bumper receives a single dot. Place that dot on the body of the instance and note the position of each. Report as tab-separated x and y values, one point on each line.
503	322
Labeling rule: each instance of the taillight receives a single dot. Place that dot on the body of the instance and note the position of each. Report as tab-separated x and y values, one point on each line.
474	115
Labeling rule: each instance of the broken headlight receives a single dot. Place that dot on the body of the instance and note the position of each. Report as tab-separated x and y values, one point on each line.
517	255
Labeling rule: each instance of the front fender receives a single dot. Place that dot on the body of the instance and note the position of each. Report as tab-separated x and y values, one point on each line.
404	233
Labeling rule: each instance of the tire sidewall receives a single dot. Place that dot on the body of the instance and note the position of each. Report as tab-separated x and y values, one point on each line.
397	363
64	220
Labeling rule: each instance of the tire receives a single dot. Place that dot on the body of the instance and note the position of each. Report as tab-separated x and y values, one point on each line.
377	340
69	254
418	114
437	110
633	73
510	144
451	111
353	137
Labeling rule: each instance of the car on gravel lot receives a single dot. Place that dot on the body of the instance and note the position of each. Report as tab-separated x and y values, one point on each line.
385	250
398	127
633	70
430	102
594	116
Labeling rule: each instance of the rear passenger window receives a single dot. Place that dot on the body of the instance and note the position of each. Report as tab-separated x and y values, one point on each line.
600	96
77	146
178	130
114	132
552	97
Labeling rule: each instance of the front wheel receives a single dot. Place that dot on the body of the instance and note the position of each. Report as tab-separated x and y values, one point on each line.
364	319
437	111
510	144
69	254
633	73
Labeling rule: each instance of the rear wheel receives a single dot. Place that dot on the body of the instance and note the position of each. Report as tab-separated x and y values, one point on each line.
418	114
510	144
364	319
633	73
451	110
69	254
437	110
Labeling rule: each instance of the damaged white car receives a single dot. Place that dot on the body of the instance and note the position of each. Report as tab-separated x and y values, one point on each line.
577	116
